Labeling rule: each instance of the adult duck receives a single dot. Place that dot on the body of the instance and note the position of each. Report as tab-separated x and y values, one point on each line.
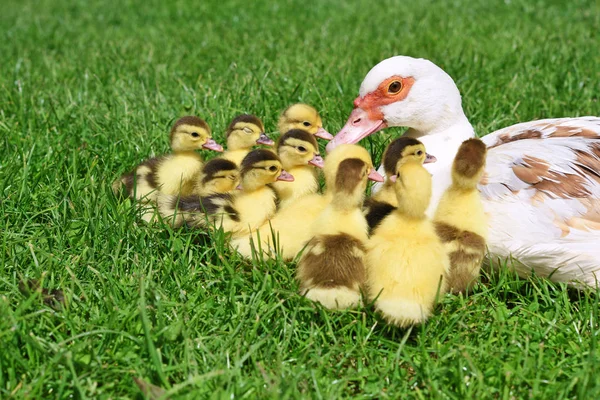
541	187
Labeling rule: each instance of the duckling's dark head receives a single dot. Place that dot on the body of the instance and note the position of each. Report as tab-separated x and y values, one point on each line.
404	148
191	133
220	175
469	163
262	167
247	130
297	147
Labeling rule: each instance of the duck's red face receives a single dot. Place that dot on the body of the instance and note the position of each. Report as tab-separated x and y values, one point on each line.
367	116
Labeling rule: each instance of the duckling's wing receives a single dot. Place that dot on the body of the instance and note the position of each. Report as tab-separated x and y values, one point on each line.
541	189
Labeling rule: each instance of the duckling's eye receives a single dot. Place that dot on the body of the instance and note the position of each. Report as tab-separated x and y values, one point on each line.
247	130
419	152
272	168
306	123
195	134
301	149
232	177
395	87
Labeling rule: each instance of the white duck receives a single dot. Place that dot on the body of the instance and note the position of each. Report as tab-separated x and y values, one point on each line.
541	188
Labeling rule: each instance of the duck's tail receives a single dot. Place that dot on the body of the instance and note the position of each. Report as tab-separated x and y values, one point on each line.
469	164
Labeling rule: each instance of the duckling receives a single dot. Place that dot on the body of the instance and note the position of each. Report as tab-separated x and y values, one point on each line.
382	203
406	261
331	270
302	116
218	176
175	173
244	132
238	212
289	230
299	154
460	220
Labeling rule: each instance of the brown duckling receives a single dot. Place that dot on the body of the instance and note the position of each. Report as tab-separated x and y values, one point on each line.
218	176
174	173
460	220
406	261
244	132
331	270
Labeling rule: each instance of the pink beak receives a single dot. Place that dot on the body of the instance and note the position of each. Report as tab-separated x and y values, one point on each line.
323	134
358	127
393	178
375	176
317	161
285	176
264	139
429	159
212	145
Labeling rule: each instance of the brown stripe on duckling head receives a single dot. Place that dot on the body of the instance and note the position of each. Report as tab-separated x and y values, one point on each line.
247	118
216	165
189	120
470	158
349	175
299	134
393	153
256	156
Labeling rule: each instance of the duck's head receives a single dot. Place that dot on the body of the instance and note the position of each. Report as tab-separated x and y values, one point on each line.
350	182
402	91
260	168
297	148
407	149
305	117
412	183
192	133
344	152
219	176
245	131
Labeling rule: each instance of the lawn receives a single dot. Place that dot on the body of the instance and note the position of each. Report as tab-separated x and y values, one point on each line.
90	88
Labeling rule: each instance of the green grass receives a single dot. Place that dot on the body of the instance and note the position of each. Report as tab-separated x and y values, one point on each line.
88	89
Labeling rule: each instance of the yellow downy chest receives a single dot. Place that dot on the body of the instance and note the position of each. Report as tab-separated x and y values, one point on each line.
178	173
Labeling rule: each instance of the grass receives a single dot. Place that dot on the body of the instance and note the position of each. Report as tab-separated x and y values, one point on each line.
88	89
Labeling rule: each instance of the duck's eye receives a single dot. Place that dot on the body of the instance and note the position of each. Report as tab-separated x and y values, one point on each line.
195	134
301	149
272	168
247	130
395	87
232	177
306	123
419	152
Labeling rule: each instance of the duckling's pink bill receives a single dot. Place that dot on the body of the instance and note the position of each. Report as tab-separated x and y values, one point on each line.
285	176
317	161
264	139
212	145
358	127
323	134
375	176
393	178
429	159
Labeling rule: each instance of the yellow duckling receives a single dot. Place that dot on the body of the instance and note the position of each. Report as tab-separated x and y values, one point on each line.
289	230
302	116
460	220
244	132
406	260
378	206
218	176
175	173
299	154
331	270
238	212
